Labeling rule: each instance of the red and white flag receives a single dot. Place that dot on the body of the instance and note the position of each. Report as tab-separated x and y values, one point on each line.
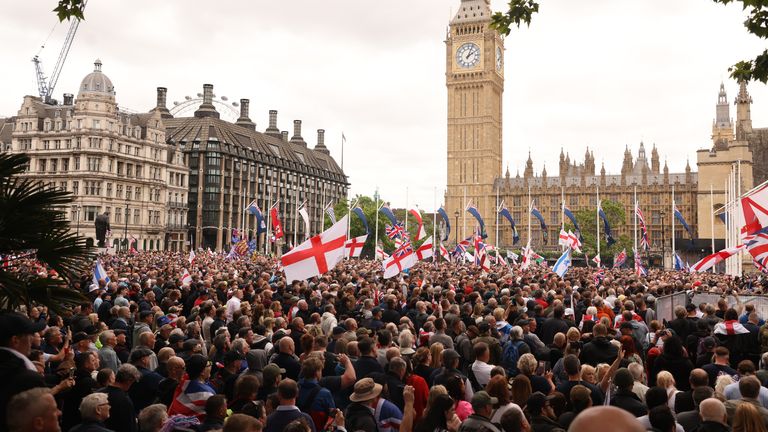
186	278
710	261
754	212
380	254
574	241
277	227
425	250
354	246
597	260
732	327
398	262
191	256
317	255
444	253
420	234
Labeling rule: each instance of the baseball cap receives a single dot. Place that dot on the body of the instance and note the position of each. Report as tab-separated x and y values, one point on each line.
175	338
232	356
536	402
139	354
338	330
482	399
272	370
450	355
79	336
709	342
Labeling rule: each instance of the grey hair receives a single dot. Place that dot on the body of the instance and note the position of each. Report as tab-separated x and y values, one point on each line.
637	371
405	340
152	417
104	336
397	364
516	332
127	372
89	405
27	403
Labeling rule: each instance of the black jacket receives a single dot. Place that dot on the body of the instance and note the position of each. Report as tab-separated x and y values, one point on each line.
628	401
359	417
366	365
90	426
551	327
600	350
679	367
122	416
15	378
710	426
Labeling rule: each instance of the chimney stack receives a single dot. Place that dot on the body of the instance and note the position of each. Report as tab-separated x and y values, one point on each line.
244	120
320	147
296	138
161	103
206	108
68	97
284	136
272	130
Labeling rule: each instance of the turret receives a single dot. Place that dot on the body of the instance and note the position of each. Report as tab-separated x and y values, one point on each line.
743	114
654	160
528	173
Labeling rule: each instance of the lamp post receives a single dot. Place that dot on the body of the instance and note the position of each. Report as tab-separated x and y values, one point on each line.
125	232
663	242
456	225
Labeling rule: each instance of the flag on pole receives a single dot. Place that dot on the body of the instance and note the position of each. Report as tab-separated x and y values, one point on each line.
513	256
597	260
99	273
474	212
526	253
386	211
425	250
317	255
191	256
359	212
444	253
597	278
402	259
563	239
757	246
380	254
395	231
254	209
420	233
331	214
679	217
754	212
186	278
563	263
569	214
639	269
446	221
644	243
620	259
710	261
537	214
679	265
504	212
277	227
305	216
606	226
574	241
354	246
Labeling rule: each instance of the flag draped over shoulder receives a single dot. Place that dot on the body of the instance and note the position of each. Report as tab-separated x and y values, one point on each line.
446	221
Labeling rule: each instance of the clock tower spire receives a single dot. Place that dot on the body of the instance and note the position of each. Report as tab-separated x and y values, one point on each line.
475	83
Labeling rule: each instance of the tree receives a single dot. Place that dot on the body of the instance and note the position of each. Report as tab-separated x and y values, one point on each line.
33	225
521	11
67	9
587	220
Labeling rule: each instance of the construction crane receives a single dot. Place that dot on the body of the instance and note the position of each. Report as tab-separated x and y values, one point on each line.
46	89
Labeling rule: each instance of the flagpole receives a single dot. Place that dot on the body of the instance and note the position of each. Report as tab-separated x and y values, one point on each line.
406	210
497	223
269	219
242	227
712	220
635	219
562	213
434	225
739	261
674	207
295	218
728	219
530	207
464	217
376	231
599	260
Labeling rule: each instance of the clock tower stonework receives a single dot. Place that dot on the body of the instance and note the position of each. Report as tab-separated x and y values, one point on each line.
474	76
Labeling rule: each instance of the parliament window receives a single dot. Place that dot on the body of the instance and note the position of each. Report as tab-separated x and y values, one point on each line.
90	213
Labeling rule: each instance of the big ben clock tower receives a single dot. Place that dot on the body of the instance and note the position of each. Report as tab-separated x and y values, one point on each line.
474	75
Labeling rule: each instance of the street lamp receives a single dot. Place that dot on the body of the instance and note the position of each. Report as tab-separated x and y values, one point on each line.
456	225
663	242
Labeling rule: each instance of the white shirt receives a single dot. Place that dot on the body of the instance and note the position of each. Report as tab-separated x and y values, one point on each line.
482	371
27	362
233	304
502	409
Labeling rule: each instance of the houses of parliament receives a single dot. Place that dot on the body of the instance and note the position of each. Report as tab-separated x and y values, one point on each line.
475	85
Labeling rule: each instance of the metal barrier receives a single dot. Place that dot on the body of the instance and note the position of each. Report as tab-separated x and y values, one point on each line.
665	305
760	301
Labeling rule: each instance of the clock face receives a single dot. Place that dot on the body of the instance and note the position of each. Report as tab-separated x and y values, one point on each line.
499	58
468	55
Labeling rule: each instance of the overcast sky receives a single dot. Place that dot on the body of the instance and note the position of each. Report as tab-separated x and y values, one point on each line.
597	73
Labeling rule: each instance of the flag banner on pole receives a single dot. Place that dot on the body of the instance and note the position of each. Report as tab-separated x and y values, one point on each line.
317	255
420	233
679	265
386	211
99	273
681	219
574	242
305	216
254	209
537	214
569	214
526	253
235	236
754	212
400	260
639	269
354	246
446	221
597	260
380	254
563	239
563	263
277	227
504	212
251	247
757	246
620	259
444	253
241	248
474	212
513	256
644	243
710	261
359	212
425	250
191	256
331	214
186	278
606	227
395	231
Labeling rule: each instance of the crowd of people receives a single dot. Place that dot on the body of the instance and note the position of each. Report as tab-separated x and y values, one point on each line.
443	347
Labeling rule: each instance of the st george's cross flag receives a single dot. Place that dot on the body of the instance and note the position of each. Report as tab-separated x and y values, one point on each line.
425	250
380	254
444	253
191	256
710	261
401	259
317	255
186	278
420	233
354	246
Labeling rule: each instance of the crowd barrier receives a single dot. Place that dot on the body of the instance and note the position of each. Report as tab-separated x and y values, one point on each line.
665	305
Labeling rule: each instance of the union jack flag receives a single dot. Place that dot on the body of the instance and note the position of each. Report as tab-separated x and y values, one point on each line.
639	269
598	276
644	243
758	248
620	259
404	249
394	231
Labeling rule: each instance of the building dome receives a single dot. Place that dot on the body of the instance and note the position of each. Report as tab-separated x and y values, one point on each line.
96	81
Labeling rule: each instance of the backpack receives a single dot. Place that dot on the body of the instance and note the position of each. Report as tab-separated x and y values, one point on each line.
510	356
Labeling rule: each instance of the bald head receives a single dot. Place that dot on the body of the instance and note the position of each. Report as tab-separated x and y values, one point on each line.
712	410
619	419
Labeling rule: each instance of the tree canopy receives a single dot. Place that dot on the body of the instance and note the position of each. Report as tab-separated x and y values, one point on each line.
521	12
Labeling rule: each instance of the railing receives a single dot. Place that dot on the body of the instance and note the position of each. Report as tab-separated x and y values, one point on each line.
174	204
